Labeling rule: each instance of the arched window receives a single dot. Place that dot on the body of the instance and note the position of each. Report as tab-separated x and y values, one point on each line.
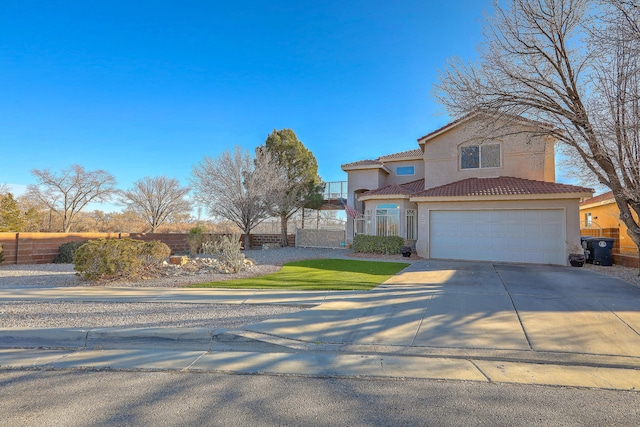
388	220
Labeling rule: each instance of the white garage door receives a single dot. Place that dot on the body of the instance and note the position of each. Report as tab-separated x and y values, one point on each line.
527	236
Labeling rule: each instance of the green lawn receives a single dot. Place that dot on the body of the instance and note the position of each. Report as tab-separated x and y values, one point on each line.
318	274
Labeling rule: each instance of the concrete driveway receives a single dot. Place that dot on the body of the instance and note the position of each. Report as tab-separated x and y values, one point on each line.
480	306
436	319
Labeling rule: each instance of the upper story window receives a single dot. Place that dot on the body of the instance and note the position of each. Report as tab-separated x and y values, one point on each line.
480	156
405	170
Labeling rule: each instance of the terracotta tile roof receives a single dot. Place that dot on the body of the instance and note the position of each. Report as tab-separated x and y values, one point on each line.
501	186
362	163
414	186
406	189
415	153
409	154
604	197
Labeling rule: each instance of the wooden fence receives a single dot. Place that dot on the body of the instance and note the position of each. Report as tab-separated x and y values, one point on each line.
42	248
624	258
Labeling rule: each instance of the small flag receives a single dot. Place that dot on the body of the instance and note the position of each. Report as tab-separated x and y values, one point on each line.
350	211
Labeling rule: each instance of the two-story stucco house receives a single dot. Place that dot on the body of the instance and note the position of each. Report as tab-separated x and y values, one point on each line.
467	197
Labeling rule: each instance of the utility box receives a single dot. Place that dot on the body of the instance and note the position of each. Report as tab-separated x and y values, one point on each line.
599	250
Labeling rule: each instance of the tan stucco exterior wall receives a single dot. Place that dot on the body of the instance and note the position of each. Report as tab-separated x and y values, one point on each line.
522	157
370	179
363	179
570	206
393	178
550	160
366	179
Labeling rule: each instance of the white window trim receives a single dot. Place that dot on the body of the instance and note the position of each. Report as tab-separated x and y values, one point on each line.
411	226
406	174
480	155
387	222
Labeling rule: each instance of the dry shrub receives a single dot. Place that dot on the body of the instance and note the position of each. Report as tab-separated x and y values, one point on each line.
228	250
118	258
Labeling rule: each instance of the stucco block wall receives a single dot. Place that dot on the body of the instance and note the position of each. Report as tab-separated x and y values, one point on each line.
625	260
522	157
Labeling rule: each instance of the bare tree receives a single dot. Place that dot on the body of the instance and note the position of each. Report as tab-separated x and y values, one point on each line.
71	191
4	189
572	64
156	200
234	186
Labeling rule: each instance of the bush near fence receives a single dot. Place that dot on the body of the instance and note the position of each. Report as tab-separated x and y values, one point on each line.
42	248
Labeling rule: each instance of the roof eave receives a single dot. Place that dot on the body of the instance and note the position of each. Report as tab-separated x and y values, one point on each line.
423	139
364	197
347	168
500	198
596	204
401	159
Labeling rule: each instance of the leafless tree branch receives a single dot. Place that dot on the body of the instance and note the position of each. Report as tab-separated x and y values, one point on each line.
235	186
69	192
156	200
572	64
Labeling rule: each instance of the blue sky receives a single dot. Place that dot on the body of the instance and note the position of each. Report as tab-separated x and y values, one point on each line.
147	88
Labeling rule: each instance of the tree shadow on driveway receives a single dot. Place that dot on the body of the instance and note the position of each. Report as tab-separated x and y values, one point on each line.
452	304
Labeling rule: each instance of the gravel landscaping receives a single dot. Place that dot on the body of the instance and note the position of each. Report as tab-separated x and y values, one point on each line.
63	275
33	314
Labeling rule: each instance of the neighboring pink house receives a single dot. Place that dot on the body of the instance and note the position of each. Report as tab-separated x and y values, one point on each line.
461	196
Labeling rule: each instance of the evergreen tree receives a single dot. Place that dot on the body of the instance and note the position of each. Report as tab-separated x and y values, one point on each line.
11	218
299	183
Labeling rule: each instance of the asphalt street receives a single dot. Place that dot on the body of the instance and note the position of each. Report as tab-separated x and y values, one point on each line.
115	398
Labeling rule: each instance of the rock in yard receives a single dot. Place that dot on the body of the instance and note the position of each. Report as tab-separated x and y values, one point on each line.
178	260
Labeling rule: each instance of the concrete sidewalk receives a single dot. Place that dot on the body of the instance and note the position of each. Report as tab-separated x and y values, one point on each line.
436	319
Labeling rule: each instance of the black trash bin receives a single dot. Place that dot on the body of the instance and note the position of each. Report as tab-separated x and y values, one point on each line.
599	250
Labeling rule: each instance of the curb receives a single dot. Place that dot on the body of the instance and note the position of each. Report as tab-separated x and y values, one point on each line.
43	338
192	338
224	340
208	350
